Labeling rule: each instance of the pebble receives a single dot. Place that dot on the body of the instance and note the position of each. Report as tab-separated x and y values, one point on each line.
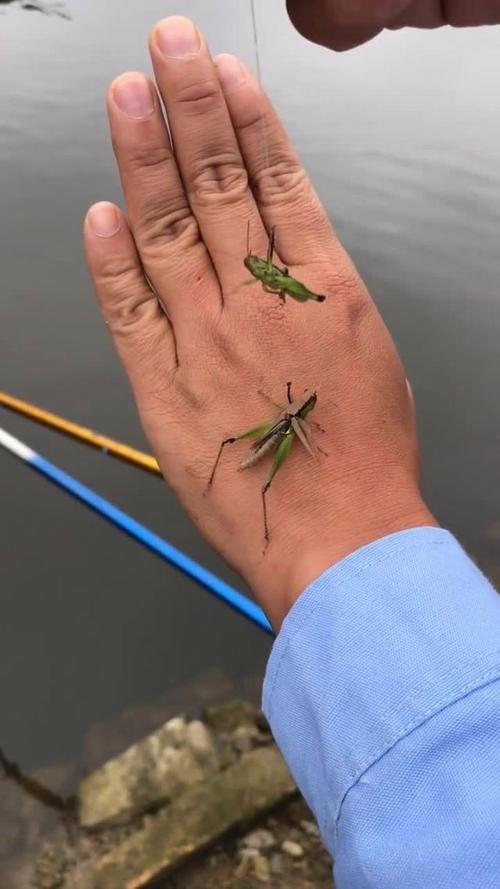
292	849
259	839
276	864
310	828
247	857
261	869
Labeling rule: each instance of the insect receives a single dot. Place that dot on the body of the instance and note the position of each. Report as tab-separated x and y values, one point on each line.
277	435
275	279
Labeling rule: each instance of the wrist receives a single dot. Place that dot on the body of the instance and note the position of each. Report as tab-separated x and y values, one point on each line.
356	520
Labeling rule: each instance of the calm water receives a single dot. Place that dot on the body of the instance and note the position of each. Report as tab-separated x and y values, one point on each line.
402	139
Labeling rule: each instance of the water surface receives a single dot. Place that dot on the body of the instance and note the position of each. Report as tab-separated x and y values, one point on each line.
402	140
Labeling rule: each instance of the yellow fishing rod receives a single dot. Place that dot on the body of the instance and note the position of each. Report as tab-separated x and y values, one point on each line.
81	433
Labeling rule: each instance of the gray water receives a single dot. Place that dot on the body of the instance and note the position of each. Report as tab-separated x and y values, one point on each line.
402	140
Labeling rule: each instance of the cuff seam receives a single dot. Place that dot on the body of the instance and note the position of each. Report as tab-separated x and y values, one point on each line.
411	702
346	580
475	685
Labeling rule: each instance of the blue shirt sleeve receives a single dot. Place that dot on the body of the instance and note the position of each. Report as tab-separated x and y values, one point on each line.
383	694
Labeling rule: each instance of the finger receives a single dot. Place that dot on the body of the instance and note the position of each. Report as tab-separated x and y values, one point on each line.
206	147
463	13
287	202
164	228
420	14
341	24
282	189
141	331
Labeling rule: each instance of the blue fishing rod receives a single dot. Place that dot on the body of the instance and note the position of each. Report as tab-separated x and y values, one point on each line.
215	585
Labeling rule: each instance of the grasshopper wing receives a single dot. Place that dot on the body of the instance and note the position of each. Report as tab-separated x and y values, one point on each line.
304	435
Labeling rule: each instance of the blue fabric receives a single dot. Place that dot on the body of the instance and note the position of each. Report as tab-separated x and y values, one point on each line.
383	694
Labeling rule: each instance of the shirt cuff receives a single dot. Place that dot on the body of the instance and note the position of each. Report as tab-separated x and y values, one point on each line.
375	647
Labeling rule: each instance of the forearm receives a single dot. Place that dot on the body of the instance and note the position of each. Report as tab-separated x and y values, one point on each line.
381	693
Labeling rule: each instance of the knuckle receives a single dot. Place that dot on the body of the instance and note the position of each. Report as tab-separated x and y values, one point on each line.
118	273
252	121
355	303
129	313
284	180
339	280
193	397
220	176
199	97
125	298
162	224
149	157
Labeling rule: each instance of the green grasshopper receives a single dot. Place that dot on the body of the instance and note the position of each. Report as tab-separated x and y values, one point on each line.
275	279
277	435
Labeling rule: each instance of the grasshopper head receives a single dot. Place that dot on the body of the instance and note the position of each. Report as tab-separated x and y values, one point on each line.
309	402
301	407
255	265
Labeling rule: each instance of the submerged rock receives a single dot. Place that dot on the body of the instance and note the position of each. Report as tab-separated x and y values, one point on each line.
197	818
147	775
167	798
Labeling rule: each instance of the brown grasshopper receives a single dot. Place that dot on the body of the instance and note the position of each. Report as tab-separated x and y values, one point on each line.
277	435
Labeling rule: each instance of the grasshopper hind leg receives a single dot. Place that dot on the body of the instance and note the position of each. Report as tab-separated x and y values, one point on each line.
265	489
279	459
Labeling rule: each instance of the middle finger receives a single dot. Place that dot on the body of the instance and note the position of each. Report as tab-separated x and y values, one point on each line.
206	147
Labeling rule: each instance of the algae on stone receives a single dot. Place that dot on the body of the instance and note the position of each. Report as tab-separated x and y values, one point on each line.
147	775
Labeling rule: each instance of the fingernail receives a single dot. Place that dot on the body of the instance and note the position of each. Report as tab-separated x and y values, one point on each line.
231	72
134	95
104	220
177	37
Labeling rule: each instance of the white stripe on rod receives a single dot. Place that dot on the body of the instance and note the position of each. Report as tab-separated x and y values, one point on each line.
16	447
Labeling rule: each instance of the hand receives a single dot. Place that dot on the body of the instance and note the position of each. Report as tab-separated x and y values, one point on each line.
342	24
197	367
